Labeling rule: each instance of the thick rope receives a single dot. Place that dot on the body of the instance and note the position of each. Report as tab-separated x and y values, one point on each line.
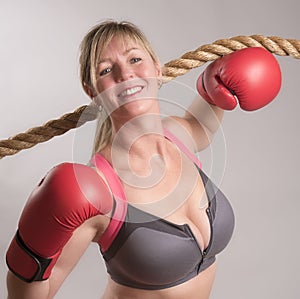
172	69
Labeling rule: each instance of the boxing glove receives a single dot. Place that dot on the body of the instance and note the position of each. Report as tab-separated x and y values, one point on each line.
67	196
250	77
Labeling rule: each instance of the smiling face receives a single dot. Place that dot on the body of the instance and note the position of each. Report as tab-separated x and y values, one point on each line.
126	78
104	53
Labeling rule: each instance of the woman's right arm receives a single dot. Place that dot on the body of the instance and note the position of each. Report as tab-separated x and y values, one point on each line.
62	216
17	288
82	237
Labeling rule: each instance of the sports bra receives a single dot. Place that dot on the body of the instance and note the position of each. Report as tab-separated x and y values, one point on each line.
144	251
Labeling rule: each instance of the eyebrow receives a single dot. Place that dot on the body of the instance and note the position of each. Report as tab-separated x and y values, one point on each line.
124	53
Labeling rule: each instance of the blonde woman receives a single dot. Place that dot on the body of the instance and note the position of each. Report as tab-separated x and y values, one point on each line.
157	217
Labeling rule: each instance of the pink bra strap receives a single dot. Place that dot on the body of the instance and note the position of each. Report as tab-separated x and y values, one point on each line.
113	180
182	147
120	210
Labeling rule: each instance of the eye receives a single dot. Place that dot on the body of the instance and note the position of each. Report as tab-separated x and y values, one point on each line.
135	59
105	71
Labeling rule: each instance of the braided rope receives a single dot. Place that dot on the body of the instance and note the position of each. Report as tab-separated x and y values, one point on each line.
172	69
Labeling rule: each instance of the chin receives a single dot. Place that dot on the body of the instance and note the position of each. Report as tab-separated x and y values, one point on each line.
139	107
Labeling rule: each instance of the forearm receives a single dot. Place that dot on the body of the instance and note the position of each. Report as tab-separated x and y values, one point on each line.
18	289
61	217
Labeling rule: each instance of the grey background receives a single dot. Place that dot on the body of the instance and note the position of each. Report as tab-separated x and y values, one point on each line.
254	157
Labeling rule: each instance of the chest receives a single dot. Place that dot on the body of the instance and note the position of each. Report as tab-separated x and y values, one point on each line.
177	195
161	247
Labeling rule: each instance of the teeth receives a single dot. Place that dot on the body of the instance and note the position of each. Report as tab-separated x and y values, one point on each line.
130	91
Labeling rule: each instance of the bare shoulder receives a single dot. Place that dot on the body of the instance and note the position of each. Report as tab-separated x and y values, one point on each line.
190	131
181	128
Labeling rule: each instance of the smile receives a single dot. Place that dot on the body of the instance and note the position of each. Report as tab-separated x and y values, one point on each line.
130	91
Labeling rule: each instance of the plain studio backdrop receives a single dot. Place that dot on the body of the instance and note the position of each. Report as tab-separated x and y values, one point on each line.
254	158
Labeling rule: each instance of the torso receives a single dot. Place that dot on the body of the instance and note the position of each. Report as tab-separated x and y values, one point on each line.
197	288
179	197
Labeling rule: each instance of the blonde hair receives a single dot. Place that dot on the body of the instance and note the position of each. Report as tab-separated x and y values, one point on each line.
91	48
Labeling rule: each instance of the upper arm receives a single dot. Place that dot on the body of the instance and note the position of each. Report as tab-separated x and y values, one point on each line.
197	127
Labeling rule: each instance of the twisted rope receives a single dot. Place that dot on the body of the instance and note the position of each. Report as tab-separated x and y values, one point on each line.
172	69
221	47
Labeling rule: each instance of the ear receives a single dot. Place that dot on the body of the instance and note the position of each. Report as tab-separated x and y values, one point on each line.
159	69
89	90
159	74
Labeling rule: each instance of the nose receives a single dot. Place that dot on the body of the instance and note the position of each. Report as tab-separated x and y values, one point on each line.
123	73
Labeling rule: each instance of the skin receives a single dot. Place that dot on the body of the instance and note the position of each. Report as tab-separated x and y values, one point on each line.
138	135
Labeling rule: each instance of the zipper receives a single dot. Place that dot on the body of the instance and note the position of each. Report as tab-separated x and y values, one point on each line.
206	250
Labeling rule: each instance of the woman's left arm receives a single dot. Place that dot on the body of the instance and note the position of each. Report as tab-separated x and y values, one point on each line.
197	126
202	121
250	78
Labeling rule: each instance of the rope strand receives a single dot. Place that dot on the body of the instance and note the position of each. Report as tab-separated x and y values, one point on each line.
190	60
221	47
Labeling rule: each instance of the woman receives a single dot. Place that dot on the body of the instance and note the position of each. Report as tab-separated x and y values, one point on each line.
143	198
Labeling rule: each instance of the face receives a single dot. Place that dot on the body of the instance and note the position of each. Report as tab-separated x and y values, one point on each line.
126	78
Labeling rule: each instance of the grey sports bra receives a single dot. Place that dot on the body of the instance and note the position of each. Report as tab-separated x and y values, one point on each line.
146	252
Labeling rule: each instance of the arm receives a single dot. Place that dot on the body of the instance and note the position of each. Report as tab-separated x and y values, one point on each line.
198	126
62	216
203	120
71	253
250	77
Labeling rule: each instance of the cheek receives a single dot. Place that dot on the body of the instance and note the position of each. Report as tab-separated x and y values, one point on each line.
107	99
101	86
153	71
104	84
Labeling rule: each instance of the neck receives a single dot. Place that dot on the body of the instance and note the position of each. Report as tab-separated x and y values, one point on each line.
139	152
141	137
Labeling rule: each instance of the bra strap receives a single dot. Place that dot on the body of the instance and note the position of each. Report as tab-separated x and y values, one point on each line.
182	147
120	209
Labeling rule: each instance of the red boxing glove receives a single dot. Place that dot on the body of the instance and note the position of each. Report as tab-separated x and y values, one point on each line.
249	76
67	196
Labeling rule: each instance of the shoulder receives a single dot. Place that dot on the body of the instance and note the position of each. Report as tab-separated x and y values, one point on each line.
190	131
180	127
